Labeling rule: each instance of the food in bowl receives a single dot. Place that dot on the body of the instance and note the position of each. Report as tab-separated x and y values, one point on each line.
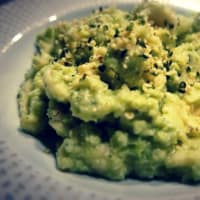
121	90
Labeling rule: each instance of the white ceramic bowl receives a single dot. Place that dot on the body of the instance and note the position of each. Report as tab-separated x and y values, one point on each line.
26	172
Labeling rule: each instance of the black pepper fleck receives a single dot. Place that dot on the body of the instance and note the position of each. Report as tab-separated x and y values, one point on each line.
141	43
144	56
90	48
170	53
167	65
171	26
84	77
100	8
188	69
182	86
156	65
168	24
66	63
116	33
102	68
92	25
89	39
123	53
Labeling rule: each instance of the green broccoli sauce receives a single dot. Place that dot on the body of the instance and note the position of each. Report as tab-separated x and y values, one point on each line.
118	94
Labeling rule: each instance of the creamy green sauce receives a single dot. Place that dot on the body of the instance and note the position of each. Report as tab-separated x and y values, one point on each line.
122	92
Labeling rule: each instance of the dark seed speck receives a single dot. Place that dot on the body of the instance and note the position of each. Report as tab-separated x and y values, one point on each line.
102	68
